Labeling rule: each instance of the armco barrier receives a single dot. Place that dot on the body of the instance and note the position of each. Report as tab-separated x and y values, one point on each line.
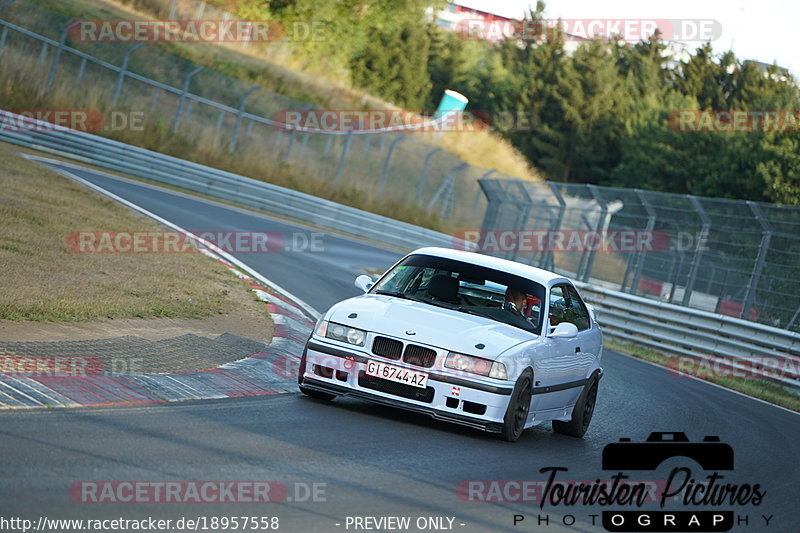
149	165
729	344
676	330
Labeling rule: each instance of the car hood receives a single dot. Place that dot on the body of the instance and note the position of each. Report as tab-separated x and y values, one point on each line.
434	326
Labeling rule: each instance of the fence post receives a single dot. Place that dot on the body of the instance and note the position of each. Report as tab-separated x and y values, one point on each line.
304	144
4	3
423	175
548	256
444	190
186	81
4	33
698	253
57	56
345	149
239	115
385	171
3	36
601	222
766	237
122	71
478	193
636	262
292	137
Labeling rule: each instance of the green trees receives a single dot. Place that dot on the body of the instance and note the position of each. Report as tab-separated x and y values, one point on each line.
602	113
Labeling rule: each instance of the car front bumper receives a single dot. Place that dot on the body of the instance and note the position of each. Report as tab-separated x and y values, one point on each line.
332	369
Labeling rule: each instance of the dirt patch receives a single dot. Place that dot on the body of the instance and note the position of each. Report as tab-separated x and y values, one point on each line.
248	319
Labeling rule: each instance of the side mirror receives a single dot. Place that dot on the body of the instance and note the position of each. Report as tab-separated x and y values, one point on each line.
364	282
565	330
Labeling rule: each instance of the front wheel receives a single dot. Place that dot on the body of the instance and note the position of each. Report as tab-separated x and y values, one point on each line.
581	413
518	408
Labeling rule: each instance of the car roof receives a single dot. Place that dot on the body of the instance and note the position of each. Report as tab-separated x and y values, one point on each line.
545	277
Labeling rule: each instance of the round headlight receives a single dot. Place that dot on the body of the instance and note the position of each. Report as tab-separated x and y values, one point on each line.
355	336
338	331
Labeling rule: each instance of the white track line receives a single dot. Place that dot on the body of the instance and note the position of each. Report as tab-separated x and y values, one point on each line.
303	305
310	311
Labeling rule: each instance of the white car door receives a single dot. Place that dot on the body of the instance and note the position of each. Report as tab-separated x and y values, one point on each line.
560	365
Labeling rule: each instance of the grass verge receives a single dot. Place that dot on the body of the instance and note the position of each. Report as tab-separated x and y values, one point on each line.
763	390
44	281
274	67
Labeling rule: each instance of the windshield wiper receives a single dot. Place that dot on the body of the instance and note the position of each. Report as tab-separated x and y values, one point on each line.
476	313
398	294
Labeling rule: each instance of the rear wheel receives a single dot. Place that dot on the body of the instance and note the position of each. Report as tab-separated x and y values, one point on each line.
518	408
581	414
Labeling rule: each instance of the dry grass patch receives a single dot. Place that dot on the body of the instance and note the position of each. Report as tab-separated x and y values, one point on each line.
43	280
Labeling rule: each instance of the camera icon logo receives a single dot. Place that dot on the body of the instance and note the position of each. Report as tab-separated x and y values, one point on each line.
710	454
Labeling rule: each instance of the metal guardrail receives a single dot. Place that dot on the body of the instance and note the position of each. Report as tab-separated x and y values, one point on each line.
153	166
723	341
725	345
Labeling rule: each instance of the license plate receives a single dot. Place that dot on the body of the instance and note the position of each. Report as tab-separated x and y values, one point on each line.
397	374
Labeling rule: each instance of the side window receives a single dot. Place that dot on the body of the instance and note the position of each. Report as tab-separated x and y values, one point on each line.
578	311
558	306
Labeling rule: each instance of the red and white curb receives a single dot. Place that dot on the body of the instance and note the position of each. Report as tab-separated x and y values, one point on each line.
269	372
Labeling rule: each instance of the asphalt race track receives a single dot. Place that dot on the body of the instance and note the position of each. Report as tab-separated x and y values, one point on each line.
373	461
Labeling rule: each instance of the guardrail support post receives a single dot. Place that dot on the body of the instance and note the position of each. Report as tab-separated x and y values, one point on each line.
766	237
423	175
186	81
122	71
385	171
340	167
239	115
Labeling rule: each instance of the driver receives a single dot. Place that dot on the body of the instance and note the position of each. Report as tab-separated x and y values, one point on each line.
515	301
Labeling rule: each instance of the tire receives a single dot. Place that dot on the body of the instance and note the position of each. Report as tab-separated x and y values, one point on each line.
581	413
317	395
518	408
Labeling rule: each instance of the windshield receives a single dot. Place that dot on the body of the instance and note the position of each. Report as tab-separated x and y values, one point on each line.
466	288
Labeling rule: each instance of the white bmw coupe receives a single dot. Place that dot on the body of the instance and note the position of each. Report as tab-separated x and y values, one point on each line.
463	337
